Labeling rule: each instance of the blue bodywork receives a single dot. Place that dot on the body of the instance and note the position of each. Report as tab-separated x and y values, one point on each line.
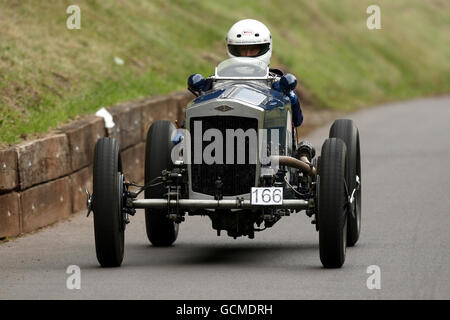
274	98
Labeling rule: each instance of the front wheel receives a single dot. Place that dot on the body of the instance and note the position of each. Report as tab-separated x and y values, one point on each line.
332	217
107	203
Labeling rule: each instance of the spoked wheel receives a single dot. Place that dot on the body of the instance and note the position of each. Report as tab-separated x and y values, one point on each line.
109	221
345	130
332	217
161	231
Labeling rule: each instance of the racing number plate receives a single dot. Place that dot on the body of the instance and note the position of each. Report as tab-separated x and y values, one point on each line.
267	196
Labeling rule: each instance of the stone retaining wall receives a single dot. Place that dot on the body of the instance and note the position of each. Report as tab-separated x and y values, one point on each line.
44	180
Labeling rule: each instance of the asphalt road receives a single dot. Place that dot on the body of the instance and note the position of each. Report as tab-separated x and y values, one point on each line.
405	232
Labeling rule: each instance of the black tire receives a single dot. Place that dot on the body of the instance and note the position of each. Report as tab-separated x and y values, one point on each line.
345	130
161	231
107	201
332	218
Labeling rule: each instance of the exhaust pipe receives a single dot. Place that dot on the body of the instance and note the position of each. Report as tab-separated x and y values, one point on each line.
304	165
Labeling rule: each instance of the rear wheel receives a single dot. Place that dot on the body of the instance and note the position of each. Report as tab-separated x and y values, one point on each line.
161	231
332	218
109	225
345	130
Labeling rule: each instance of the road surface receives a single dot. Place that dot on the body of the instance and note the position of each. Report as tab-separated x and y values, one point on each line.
405	232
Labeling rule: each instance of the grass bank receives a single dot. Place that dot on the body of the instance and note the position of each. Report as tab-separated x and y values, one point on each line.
49	74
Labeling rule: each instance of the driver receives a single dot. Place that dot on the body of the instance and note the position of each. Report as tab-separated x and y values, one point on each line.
251	38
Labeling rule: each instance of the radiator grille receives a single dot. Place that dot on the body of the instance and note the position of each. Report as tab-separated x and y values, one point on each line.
237	178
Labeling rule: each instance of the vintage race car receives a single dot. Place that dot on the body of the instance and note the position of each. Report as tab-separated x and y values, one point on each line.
237	161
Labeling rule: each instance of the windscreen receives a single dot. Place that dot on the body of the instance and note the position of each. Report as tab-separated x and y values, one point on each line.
242	67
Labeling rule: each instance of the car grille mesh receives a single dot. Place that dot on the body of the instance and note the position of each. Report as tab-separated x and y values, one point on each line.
237	178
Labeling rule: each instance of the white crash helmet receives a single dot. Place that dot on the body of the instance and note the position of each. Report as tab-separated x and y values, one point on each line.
250	33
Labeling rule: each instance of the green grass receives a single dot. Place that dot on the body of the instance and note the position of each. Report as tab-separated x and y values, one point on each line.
49	74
